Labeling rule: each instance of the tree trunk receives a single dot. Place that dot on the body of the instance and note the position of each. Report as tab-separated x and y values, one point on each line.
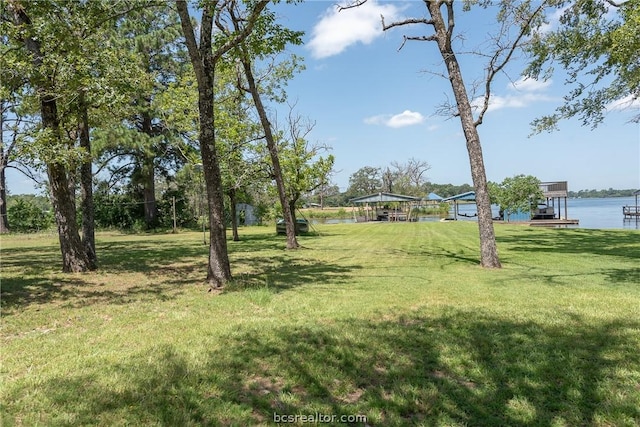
292	242
74	259
4	221
234	214
203	61
4	161
148	178
219	270
86	188
488	248
149	192
292	209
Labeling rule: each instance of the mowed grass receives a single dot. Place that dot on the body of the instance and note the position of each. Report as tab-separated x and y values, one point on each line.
392	321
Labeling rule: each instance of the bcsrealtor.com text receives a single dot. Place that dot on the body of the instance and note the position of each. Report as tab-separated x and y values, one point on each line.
318	418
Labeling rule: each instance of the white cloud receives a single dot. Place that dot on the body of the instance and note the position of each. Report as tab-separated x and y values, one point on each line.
521	94
627	103
377	120
553	16
406	118
338	30
511	101
527	84
553	20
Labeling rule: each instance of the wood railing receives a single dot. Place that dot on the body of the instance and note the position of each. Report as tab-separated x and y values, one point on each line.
554	189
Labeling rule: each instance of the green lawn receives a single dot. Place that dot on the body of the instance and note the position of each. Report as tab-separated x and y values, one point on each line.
392	321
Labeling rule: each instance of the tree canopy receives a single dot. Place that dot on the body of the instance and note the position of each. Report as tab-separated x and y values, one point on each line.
597	42
517	193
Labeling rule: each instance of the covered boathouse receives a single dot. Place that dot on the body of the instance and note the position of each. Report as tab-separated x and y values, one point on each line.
549	212
384	207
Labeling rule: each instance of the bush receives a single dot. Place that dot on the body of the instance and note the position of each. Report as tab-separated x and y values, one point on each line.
185	215
117	211
27	217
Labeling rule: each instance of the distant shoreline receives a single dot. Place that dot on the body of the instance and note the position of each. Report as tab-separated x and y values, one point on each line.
600	194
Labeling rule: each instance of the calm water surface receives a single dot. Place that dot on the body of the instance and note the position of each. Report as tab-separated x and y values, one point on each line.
603	213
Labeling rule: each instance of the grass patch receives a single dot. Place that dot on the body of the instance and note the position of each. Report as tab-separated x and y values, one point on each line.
393	321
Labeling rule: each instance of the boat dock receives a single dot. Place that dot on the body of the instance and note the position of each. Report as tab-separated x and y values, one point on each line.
552	222
630	212
542	222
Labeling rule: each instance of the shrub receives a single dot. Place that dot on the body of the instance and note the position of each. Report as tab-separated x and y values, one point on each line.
27	217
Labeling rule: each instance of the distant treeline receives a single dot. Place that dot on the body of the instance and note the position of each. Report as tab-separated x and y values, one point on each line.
447	190
601	193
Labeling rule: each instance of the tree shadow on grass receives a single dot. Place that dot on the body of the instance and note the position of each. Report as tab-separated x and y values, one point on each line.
33	277
164	267
623	275
618	243
458	368
623	245
29	261
74	292
462	255
147	256
281	272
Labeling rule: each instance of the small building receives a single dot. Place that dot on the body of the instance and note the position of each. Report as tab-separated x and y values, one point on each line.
517	216
246	214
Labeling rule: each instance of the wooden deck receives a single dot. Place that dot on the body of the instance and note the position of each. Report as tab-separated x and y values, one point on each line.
543	222
553	222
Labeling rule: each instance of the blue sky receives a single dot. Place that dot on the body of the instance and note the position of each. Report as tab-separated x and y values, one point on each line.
374	104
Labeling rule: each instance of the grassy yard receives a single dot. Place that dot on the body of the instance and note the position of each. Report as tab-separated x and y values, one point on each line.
392	321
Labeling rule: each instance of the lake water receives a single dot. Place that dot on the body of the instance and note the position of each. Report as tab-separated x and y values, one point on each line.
602	213
605	213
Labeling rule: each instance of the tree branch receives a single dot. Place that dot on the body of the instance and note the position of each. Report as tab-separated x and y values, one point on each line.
26	171
190	39
354	4
495	66
244	32
614	3
409	21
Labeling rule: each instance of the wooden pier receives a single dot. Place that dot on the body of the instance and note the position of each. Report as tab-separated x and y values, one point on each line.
552	222
542	222
630	212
